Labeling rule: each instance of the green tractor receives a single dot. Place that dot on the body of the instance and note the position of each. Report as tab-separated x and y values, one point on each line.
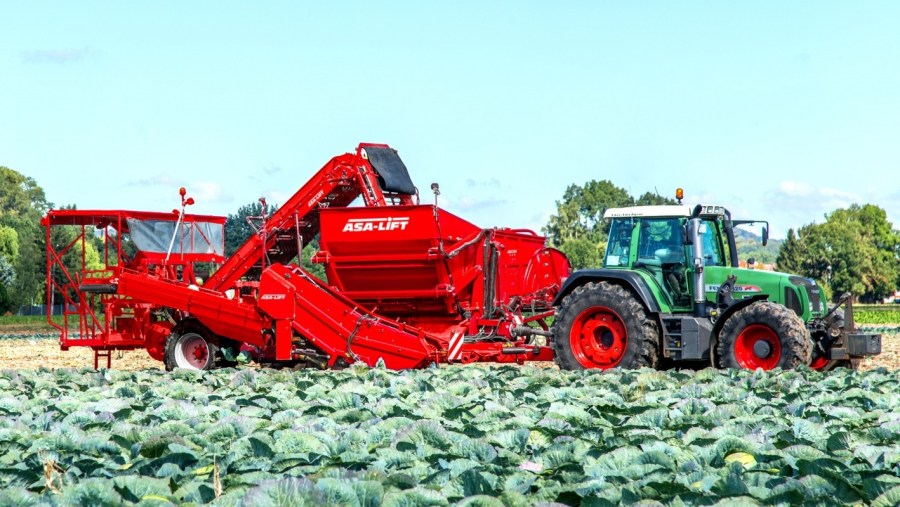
671	292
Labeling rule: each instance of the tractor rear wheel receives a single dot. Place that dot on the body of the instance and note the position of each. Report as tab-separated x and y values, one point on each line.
764	335
190	350
601	325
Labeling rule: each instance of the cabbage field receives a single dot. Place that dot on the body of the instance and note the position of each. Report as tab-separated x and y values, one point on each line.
473	435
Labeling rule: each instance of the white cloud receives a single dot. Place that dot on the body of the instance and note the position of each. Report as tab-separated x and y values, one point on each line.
55	56
791	204
802	195
795	188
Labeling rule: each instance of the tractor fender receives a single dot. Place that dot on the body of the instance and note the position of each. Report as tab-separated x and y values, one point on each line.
627	279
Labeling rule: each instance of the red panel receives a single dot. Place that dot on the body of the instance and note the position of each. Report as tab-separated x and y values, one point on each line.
391	254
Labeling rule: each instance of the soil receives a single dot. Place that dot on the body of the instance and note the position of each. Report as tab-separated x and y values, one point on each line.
31	354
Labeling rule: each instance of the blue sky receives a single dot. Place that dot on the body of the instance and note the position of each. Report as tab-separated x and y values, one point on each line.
778	110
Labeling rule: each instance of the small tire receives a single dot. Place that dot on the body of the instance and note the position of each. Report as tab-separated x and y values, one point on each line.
190	350
764	335
602	325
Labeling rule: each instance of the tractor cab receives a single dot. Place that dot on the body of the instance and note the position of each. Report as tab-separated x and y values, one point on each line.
686	255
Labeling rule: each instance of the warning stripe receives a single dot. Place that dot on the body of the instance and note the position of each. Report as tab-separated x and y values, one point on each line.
456	343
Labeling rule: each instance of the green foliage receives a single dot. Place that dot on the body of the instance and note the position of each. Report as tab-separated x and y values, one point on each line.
471	435
582	253
9	244
22	204
317	270
238	229
580	213
790	255
578	227
877	315
855	250
7	305
7	273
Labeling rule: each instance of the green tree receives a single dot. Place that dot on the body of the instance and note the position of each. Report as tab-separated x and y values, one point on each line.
790	255
577	227
7	305
653	199
854	250
22	204
580	212
582	253
9	257
9	244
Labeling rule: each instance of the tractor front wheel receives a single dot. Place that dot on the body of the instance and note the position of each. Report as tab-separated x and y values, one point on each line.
601	325
764	335
190	350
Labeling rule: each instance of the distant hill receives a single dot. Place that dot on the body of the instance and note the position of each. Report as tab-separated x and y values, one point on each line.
749	245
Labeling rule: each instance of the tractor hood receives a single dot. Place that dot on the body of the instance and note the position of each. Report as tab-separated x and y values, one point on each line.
801	295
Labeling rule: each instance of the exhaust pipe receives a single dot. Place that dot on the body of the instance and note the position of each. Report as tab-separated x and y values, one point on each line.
699	278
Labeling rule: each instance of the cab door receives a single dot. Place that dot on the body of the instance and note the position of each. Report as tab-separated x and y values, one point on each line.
661	252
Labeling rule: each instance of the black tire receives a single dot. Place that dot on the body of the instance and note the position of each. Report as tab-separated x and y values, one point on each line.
602	325
764	335
190	350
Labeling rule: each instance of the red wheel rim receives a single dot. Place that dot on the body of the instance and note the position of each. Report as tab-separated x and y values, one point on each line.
598	338
757	346
819	363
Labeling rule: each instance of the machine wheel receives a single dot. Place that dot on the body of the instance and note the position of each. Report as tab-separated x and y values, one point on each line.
764	335
601	325
190	350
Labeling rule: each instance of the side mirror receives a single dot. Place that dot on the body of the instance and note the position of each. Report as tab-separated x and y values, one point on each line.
687	233
765	236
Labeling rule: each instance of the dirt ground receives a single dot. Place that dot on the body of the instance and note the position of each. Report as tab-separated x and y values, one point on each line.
30	354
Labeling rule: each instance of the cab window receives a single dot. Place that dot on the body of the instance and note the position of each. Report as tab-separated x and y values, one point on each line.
618	248
661	241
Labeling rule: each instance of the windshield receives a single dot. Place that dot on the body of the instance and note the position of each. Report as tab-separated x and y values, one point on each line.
154	236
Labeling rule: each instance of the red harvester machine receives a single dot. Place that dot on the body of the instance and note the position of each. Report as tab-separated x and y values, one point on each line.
407	283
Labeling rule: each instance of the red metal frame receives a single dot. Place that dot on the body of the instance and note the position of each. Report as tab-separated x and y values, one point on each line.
409	284
110	321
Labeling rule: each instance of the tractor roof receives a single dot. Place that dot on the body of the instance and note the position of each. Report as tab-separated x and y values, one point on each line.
648	211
